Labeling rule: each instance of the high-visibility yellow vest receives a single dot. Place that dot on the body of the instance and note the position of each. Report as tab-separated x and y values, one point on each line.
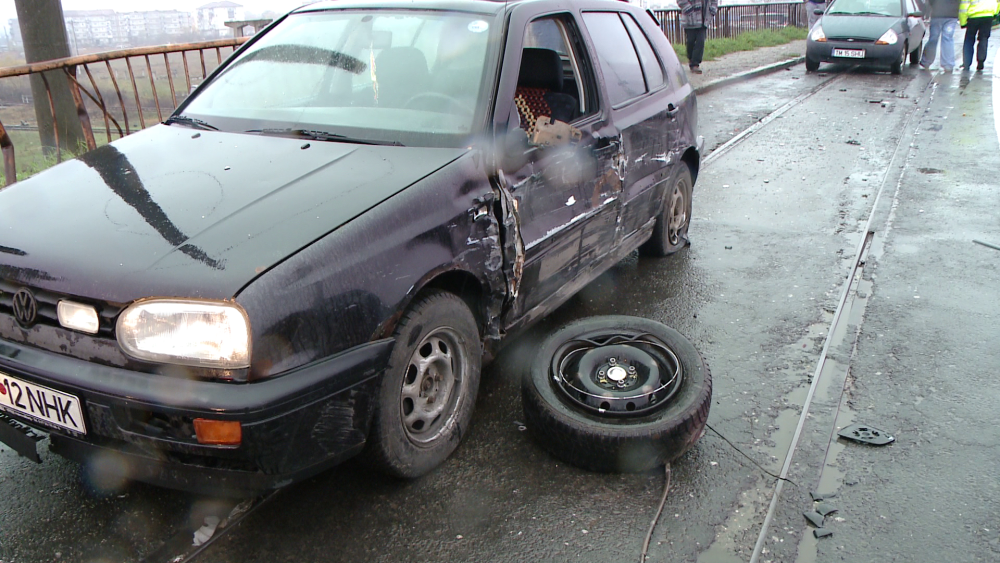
977	9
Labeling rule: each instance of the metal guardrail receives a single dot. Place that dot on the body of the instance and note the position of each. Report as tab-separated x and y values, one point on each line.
731	20
734	19
98	69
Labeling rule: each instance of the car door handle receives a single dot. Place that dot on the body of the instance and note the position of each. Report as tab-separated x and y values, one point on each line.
672	110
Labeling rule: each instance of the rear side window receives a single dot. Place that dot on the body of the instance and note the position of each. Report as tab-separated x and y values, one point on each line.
650	63
619	61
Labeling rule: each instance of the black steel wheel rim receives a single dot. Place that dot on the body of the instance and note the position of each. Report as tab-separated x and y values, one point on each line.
616	374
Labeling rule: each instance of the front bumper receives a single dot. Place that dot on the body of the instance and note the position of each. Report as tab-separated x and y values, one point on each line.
139	424
874	54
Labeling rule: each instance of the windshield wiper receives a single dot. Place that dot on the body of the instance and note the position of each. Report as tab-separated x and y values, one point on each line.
191	122
320	136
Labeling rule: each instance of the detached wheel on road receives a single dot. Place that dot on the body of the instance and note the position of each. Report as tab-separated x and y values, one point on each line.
670	233
812	65
427	393
617	394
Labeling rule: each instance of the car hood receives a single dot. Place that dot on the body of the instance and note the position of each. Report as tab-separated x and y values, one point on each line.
857	27
174	212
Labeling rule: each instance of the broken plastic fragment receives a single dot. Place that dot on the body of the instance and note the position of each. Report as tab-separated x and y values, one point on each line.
204	533
824	508
817	496
822	532
814	518
866	435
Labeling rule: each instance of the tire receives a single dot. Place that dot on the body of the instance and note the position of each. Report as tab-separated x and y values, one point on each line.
614	439
897	65
915	55
436	361
812	65
670	233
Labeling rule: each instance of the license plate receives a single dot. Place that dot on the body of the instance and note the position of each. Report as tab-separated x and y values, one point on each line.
849	53
41	404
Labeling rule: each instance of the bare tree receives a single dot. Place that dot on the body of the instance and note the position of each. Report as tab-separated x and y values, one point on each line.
44	34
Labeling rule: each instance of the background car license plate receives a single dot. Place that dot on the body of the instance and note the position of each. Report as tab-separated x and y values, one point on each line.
44	405
849	53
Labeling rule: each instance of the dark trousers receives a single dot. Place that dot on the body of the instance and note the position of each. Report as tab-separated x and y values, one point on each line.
695	39
974	27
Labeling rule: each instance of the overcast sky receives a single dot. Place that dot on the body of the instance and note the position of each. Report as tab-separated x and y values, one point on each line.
8	12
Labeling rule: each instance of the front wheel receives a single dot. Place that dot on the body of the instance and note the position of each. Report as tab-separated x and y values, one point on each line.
428	390
670	233
897	65
812	65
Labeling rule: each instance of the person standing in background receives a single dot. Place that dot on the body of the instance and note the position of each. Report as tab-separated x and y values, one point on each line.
977	17
695	17
944	20
811	7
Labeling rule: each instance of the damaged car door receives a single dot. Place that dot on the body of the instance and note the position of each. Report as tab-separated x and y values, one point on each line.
566	188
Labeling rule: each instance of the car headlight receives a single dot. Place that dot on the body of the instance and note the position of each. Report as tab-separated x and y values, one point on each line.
190	332
888	38
817	34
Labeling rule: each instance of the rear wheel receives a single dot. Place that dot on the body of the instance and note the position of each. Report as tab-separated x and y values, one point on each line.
812	65
428	389
671	231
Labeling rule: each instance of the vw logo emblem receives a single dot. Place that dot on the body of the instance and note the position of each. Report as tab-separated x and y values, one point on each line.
25	308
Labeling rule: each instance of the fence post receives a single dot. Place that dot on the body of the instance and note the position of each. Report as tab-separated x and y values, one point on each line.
81	109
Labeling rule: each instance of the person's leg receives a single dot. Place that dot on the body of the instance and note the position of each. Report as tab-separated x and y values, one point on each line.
699	46
930	49
985	26
969	46
948	43
689	40
811	8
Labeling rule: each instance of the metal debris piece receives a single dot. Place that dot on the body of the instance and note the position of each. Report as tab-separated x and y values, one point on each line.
822	532
814	518
824	508
986	244
854	142
866	435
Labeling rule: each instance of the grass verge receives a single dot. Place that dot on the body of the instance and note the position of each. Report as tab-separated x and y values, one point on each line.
715	48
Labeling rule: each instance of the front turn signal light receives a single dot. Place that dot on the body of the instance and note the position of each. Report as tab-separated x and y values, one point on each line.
218	432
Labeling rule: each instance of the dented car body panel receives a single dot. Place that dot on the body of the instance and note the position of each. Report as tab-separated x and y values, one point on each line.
325	243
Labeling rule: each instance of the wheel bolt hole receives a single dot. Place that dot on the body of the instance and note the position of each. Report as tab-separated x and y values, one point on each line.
605	405
426	349
407	406
443	347
411	374
418	425
630	406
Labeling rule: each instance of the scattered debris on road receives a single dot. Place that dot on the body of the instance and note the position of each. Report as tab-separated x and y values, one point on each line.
866	435
814	518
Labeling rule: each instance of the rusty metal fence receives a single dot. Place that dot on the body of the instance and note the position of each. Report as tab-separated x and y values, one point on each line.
115	83
734	19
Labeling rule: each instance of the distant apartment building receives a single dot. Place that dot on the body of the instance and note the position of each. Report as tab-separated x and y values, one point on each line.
212	17
88	29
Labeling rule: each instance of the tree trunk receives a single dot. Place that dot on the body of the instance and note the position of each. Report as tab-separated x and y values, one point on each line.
44	34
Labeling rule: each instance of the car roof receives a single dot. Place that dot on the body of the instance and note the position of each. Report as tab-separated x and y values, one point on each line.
483	6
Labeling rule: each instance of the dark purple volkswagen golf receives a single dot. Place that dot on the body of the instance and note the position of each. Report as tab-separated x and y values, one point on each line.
314	255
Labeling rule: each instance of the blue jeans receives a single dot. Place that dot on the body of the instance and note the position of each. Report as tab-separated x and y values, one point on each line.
943	28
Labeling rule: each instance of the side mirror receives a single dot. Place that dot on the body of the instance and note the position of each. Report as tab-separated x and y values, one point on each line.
515	147
818	12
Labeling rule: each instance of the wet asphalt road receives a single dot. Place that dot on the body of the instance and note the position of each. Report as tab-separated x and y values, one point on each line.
779	223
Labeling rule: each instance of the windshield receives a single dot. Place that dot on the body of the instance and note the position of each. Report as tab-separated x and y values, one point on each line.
409	77
867	8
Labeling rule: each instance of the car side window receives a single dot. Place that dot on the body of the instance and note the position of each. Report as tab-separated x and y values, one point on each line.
619	61
554	80
651	66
